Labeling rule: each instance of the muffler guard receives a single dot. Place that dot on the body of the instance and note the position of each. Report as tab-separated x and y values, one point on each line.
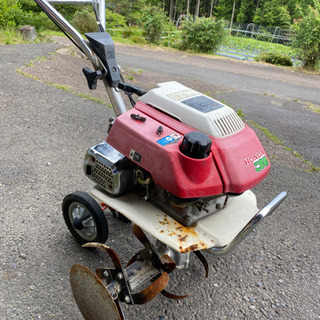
220	232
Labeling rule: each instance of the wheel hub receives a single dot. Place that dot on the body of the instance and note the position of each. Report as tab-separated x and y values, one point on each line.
77	224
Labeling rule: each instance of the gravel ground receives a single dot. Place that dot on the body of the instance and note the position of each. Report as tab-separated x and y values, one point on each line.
45	132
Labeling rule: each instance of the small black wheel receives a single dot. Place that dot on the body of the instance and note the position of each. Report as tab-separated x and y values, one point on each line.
84	218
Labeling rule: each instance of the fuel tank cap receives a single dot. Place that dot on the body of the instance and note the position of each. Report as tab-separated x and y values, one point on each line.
196	144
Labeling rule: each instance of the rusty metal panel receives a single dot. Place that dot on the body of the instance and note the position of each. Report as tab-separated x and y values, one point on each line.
216	230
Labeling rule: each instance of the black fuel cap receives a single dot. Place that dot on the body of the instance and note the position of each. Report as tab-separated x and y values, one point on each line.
196	145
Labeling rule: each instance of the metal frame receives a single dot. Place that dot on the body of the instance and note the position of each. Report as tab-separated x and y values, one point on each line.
263	213
114	95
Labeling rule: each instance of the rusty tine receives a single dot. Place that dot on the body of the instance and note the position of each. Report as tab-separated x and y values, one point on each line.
174	296
169	264
112	254
152	291
140	235
203	260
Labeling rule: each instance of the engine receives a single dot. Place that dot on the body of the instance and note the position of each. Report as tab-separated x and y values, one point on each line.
181	150
118	175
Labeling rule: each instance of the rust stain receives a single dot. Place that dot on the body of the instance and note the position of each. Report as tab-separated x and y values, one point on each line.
194	247
177	226
183	238
187	237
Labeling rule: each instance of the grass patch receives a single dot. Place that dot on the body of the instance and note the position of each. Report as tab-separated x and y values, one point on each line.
313	107
28	75
92	98
82	95
10	35
39	59
275	139
240	113
131	78
59	86
271	136
246	44
208	93
55	85
64	88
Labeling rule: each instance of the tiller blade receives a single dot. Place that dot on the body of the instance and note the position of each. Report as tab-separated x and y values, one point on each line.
92	297
120	280
145	276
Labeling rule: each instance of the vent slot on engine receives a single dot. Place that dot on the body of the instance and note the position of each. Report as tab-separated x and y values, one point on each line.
227	122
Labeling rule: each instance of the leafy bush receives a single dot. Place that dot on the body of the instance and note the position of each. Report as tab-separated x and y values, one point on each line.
129	32
85	21
154	22
29	5
274	58
202	35
12	14
137	39
307	31
114	19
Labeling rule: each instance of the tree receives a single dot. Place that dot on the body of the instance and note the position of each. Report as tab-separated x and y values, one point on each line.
223	9
203	35
246	11
154	22
307	35
272	14
197	8
131	9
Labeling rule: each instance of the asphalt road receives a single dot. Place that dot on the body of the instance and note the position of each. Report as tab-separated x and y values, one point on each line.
45	132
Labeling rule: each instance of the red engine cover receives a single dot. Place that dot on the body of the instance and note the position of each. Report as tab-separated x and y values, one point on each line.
236	163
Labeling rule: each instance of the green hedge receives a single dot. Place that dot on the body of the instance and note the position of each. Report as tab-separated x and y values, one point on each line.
202	35
275	58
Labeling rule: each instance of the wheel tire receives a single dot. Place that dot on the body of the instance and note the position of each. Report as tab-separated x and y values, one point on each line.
84	218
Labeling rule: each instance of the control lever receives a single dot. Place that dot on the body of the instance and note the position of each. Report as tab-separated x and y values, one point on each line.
131	89
92	77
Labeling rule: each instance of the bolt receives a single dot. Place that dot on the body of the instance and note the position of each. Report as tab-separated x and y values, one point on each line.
119	276
127	299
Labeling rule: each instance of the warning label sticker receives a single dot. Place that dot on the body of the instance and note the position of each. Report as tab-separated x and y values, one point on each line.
172	138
